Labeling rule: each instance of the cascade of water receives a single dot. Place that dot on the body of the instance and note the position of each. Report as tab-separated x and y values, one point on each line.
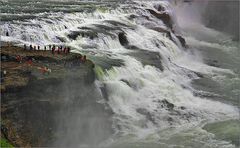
146	96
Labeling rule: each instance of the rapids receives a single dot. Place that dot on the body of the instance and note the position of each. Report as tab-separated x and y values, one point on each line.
145	76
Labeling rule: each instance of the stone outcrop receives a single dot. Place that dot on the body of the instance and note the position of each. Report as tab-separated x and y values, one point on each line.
123	39
75	34
165	17
182	41
30	100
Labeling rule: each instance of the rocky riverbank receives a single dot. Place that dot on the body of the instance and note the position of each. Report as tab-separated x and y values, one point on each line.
33	84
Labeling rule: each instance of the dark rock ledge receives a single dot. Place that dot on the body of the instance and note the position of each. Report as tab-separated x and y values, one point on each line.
30	99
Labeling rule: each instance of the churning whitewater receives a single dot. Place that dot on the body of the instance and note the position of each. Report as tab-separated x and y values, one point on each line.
144	72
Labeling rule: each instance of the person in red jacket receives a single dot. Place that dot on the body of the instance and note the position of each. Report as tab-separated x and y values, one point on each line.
58	50
19	58
30	62
65	50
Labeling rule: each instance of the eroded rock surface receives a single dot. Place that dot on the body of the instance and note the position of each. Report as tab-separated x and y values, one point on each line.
30	100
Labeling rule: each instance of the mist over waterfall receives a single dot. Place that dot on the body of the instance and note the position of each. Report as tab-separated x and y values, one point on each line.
220	15
166	72
223	16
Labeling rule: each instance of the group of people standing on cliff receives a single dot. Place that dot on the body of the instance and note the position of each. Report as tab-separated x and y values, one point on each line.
54	49
60	49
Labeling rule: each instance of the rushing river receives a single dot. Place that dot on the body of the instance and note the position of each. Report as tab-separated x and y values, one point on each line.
159	93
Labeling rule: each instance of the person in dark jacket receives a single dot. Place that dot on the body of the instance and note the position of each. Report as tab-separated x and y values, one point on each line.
2	76
84	58
31	48
68	50
53	49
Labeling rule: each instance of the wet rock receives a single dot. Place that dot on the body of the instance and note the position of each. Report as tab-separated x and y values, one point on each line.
187	116
148	58
147	114
116	23
159	8
96	29
132	16
199	74
182	41
167	104
138	17
132	47
62	39
213	63
125	81
175	113
123	39
133	85
142	111
160	29
183	86
75	34
182	108
170	119
191	74
165	17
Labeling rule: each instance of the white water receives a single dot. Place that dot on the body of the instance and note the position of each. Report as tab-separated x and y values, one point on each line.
147	85
151	85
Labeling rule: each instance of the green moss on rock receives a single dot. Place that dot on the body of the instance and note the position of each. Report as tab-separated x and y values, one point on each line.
5	143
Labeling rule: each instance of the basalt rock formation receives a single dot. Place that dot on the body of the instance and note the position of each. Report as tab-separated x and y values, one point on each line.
31	99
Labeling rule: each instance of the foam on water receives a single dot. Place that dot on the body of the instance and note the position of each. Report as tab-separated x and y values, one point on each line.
150	85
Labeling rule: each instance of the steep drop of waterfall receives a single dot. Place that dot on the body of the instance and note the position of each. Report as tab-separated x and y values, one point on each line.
146	56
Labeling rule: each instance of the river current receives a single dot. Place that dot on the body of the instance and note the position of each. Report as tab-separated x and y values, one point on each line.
159	93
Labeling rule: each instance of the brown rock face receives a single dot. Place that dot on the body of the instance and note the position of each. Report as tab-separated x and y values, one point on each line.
30	99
